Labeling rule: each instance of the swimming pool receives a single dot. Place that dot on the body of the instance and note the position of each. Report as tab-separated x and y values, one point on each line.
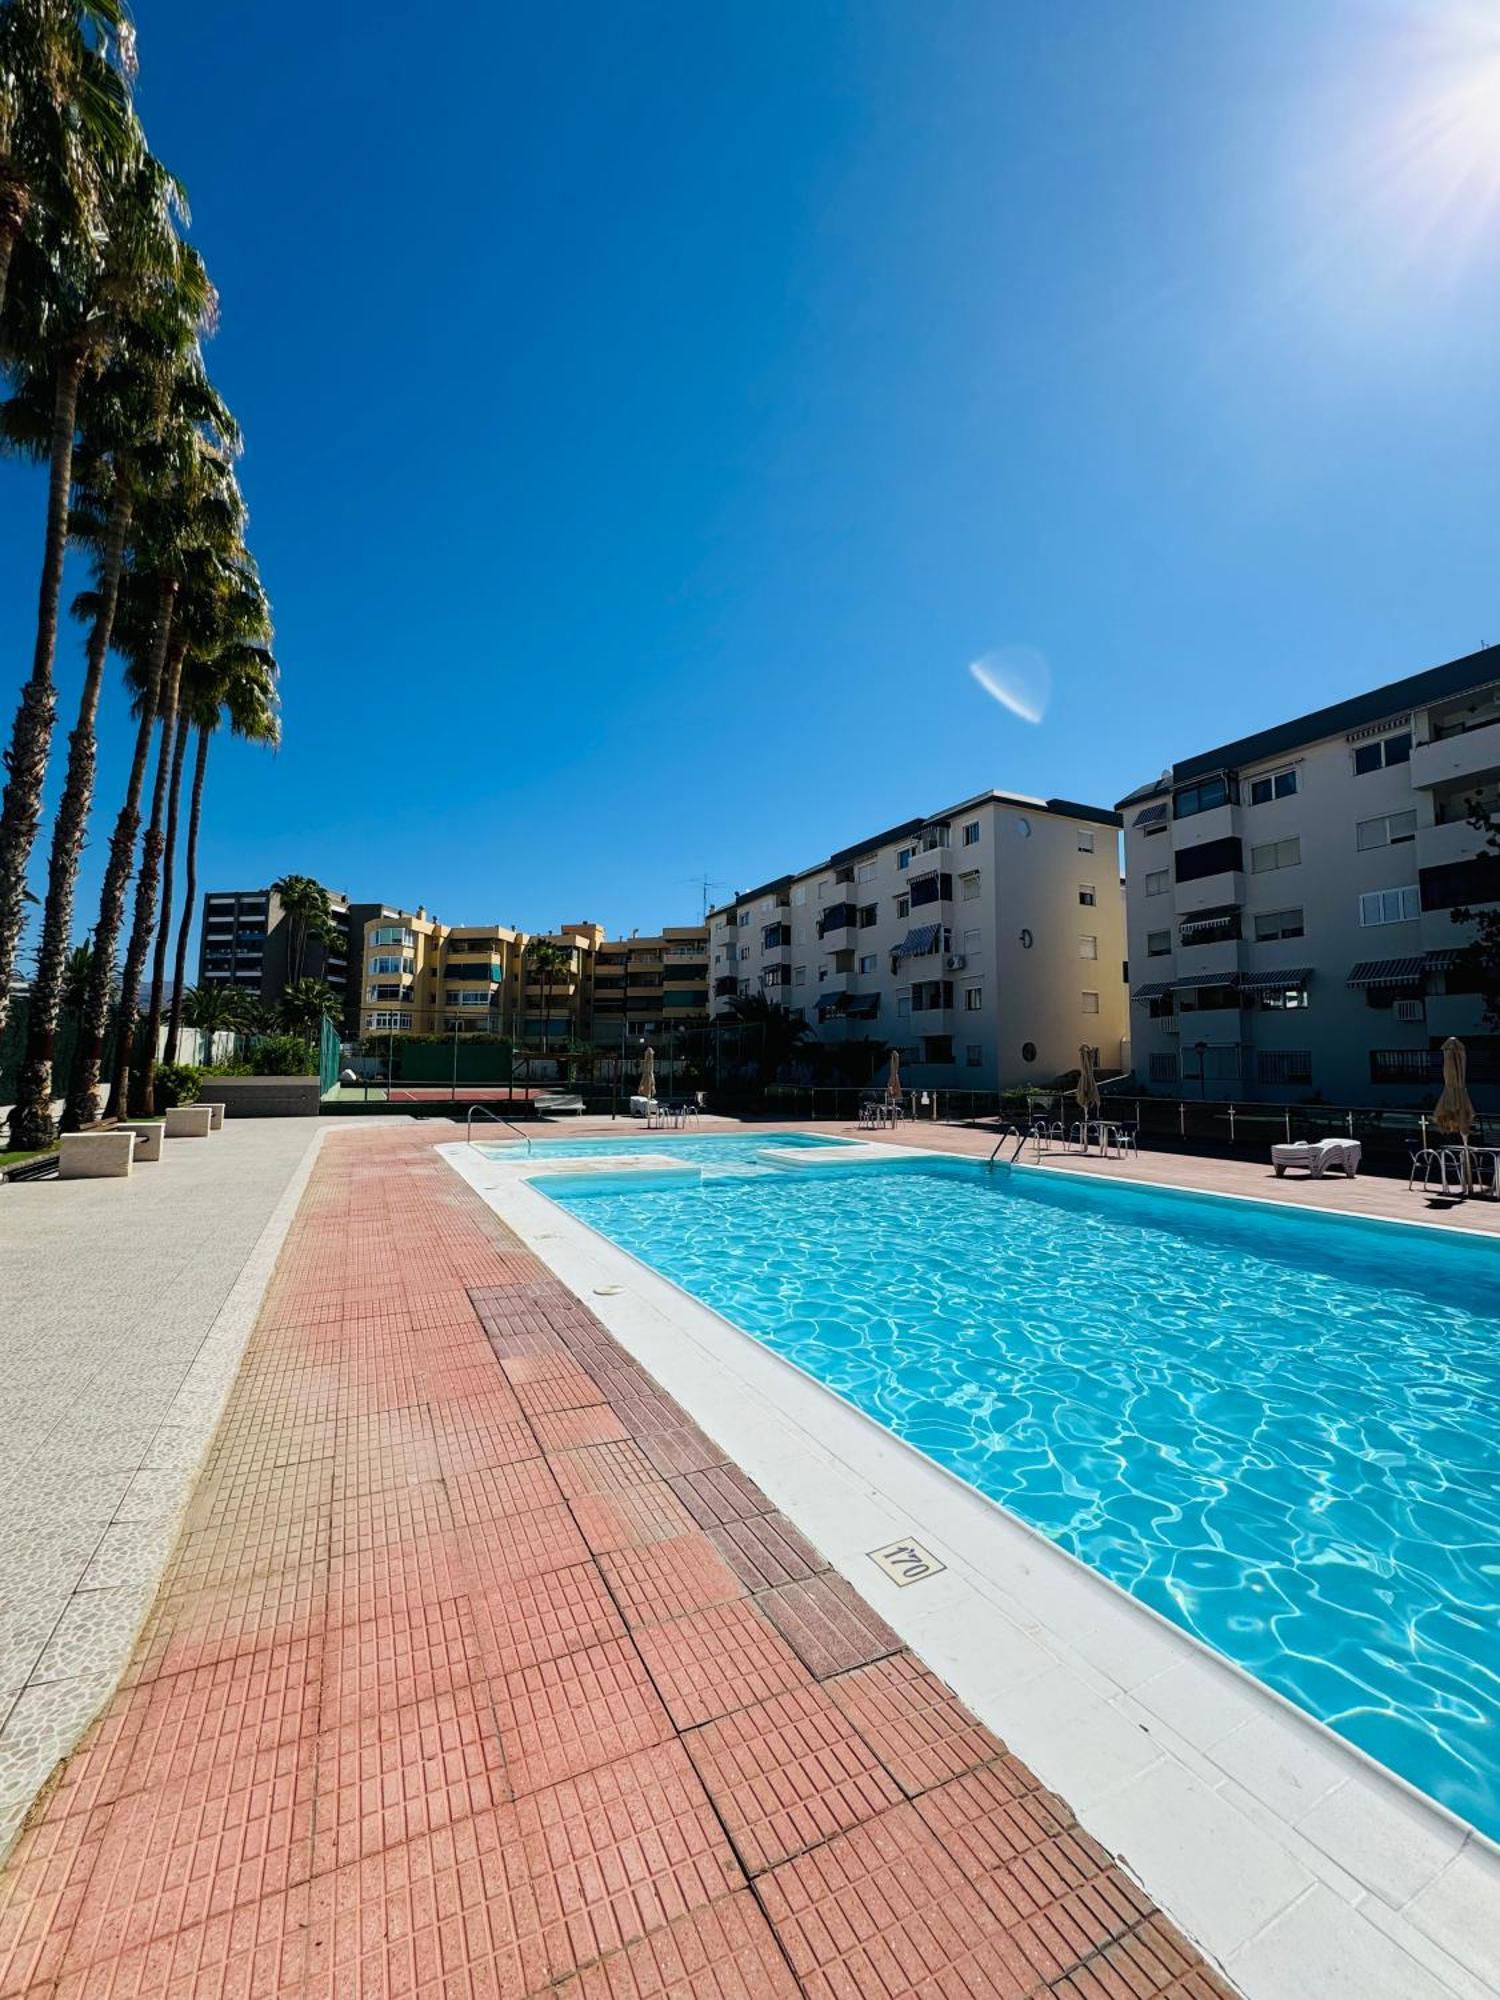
697	1148
1280	1431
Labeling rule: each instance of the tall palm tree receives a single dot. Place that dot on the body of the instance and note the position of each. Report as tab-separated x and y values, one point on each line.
65	73
213	1009
199	531
91	288
309	914
233	676
547	960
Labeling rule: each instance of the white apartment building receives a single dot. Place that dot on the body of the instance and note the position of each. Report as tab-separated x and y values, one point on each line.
986	942
1290	896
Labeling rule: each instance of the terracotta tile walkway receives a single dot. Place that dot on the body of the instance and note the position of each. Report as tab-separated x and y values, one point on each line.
476	1672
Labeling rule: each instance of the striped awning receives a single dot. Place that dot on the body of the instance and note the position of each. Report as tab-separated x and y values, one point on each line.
1279	979
1200	980
831	1003
1443	961
1150	816
917	943
1154	989
1387	972
862	1006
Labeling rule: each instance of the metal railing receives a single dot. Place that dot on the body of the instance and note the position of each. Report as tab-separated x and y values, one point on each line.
481	1111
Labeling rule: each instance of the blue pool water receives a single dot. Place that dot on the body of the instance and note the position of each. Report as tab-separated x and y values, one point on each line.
698	1148
1281	1432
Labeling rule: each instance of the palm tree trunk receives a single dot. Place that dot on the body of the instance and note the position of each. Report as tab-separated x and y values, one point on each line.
31	735
143	1100
31	1123
144	919
82	1107
15	205
189	894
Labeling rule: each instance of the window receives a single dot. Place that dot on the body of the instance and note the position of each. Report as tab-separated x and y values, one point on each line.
969	942
968	887
742	918
1273	854
903	1006
1090	1002
1385	830
866	871
394	934
1158	944
799	975
903	857
744	951
971	833
1213	857
390	1020
799	894
1162	1066
1085	839
1278	924
903	906
470	997
389	964
1086	895
1385	750
1158	880
1284	1065
869	961
974	1055
1088	947
973	999
1389	906
937	1048
1204	796
868	912
1283	999
1276	785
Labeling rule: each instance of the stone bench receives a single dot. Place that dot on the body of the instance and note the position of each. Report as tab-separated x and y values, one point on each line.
149	1133
215	1114
189	1121
91	1156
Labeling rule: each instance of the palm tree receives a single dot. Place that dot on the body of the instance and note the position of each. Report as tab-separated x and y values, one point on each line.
76	969
305	1004
309	914
781	1034
547	960
65	73
234	675
85	303
143	634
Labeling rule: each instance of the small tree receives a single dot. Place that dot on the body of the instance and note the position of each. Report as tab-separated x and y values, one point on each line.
1480	958
305	1004
781	1032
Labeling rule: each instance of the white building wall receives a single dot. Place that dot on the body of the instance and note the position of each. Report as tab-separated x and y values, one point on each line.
1023	996
1340	1045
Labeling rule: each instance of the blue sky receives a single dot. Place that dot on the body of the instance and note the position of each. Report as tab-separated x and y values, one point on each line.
651	411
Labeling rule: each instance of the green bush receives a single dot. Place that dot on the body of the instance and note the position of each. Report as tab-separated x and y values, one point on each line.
175	1083
283	1055
236	1067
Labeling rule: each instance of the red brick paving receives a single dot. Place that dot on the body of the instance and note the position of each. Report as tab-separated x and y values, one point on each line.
477	1672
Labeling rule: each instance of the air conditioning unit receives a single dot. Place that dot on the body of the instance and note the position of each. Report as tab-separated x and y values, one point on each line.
1410	1010
954	961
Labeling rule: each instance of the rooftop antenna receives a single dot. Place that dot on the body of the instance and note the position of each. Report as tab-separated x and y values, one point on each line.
706	885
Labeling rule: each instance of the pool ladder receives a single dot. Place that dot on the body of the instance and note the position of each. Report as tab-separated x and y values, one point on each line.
482	1111
1010	1132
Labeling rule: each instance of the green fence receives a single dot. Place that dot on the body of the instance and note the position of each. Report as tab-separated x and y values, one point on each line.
328	1057
13	1050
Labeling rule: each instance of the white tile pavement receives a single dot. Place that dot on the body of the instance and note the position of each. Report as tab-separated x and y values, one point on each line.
124	1309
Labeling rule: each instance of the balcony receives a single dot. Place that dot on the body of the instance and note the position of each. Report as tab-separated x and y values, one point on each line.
837	924
1216	926
1469	753
926	890
726	986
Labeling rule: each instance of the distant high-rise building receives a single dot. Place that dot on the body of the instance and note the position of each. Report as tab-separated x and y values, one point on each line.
246	941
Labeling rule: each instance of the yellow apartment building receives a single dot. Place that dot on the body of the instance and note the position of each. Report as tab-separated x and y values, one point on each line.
647	988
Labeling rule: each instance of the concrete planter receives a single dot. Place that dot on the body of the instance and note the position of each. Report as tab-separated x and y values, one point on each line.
90	1156
189	1121
149	1134
262	1096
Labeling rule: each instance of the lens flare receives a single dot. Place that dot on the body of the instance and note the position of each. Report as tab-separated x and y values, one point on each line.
1018	677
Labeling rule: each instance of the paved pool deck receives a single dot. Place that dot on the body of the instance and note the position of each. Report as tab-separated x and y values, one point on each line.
124	1310
477	1669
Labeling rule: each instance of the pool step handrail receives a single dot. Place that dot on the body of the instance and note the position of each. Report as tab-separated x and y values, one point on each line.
483	1111
1010	1132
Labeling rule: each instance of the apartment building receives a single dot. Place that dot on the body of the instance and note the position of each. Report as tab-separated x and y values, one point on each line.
245	941
650	988
984	942
1290	898
429	978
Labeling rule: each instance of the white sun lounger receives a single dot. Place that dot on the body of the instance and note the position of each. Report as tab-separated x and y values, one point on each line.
1317	1156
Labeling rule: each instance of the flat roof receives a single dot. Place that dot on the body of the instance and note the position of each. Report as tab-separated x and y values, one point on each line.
1062	808
1474	670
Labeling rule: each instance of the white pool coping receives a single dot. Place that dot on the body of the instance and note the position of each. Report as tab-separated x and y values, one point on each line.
1300	1866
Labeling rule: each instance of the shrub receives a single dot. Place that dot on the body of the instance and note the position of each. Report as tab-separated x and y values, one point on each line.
236	1067
175	1083
283	1055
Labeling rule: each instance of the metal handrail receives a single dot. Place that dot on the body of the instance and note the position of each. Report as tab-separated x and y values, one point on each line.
1010	1132
483	1111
